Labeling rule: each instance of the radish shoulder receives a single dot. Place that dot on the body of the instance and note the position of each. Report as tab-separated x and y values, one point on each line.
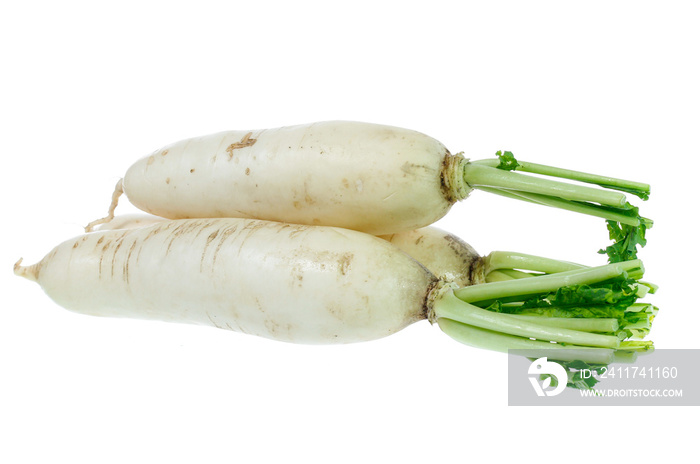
444	254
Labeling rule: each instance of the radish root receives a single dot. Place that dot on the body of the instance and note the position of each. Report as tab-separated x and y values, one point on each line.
118	192
28	272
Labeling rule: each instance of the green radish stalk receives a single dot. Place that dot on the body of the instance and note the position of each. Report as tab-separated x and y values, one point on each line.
368	177
319	285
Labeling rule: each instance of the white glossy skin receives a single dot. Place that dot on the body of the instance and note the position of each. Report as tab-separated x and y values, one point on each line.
445	255
374	178
293	283
131	221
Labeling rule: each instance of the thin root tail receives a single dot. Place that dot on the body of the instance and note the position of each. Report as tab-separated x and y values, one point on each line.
118	191
28	272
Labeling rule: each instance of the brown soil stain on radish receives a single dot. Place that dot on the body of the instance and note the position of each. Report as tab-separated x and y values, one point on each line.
203	225
212	236
99	265
251	228
224	235
153	232
119	242
344	262
297	230
472	260
213	322
308	199
413	169
128	259
210	239
246	141
185	228
272	326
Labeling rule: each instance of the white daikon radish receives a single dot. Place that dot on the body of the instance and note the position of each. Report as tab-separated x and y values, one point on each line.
311	284
368	177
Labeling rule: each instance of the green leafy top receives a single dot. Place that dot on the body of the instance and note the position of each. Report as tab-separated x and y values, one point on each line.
613	299
626	239
507	161
594	312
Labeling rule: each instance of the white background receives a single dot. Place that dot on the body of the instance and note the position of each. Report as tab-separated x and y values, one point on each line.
86	89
